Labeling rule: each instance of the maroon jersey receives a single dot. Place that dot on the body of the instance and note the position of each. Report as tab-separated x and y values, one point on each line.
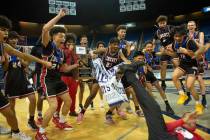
111	59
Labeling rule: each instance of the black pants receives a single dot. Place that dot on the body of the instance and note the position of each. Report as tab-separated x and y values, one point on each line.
154	119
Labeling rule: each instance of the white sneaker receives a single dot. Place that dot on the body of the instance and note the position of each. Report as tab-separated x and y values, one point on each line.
21	136
4	131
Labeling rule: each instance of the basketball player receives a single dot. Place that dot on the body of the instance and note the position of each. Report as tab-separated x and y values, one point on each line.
95	87
151	80
164	34
121	31
8	113
85	63
100	44
71	77
186	48
17	84
197	36
37	52
53	86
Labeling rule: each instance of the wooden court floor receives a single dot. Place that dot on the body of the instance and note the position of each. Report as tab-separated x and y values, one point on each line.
93	127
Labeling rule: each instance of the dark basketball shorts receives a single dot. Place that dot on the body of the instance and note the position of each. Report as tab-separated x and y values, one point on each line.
188	69
23	90
150	77
54	88
167	58
3	101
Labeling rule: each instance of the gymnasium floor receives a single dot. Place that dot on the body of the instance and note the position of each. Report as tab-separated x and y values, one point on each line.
94	128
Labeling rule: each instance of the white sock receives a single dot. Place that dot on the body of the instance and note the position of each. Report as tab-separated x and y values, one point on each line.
41	130
197	102
181	92
62	119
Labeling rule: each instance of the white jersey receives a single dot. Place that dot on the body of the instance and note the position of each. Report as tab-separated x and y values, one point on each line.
111	87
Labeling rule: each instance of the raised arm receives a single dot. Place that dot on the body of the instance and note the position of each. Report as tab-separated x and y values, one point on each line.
47	27
11	51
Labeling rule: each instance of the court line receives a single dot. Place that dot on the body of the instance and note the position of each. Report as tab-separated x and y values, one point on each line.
128	132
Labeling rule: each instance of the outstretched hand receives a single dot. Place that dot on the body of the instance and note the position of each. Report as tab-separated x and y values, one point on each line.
188	116
48	64
62	12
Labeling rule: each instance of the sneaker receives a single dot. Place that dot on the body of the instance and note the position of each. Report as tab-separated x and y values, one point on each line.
55	119
32	125
40	136
64	126
101	104
129	110
182	99
139	113
20	136
39	120
4	131
73	114
199	108
109	120
204	102
80	118
188	100
169	110
122	114
163	85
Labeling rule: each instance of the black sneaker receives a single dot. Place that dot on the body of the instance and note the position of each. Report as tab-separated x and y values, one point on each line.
74	114
204	102
32	125
169	110
163	85
188	100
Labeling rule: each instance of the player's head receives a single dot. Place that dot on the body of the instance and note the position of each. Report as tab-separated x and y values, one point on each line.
148	46
121	31
5	26
162	21
180	33
191	25
138	56
13	38
84	41
57	34
191	122
114	44
70	41
100	44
